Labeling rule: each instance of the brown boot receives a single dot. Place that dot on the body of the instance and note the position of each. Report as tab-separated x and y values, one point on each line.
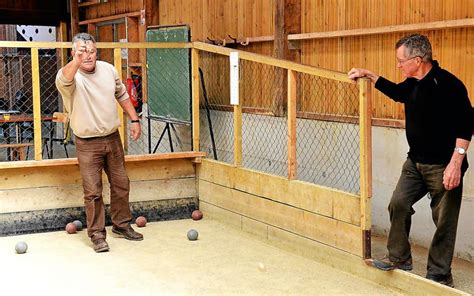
128	233
100	245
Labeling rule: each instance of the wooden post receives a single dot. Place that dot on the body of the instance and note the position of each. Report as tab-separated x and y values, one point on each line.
195	102
287	20
74	17
280	47
132	36
36	103
291	125
238	135
365	135
63	38
292	16
92	30
152	12
123	124
280	43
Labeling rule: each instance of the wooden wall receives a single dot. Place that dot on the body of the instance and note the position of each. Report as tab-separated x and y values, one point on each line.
217	19
453	48
42	196
112	7
272	207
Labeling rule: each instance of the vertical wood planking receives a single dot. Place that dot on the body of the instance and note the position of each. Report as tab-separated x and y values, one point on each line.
35	76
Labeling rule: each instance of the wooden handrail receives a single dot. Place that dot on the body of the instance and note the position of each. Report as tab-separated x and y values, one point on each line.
263	59
144	45
340	76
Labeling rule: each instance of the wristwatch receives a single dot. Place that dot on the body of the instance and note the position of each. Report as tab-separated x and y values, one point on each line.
460	150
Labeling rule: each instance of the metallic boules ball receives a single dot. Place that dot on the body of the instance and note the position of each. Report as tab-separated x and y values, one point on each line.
71	228
21	247
78	225
140	221
192	235
196	215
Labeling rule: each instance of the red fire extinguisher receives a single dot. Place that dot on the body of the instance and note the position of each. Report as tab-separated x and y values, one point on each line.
132	92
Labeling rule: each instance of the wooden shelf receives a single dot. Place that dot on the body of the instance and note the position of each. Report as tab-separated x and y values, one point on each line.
89	3
135	64
110	18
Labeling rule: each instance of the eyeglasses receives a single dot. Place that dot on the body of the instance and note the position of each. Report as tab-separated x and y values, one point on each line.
401	62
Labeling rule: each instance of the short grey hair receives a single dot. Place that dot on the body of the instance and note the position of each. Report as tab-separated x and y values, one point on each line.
82	36
417	45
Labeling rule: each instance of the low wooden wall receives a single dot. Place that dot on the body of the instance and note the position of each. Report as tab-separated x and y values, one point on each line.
38	196
266	204
302	218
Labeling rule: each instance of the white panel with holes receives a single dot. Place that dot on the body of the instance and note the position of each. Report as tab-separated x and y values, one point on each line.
37	33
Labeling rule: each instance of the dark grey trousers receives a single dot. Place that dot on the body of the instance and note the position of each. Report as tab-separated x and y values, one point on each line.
416	180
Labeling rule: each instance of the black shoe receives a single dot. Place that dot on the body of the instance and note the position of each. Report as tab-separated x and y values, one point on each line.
128	233
386	265
446	280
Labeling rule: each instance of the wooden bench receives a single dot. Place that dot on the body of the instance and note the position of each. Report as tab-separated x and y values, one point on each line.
17	151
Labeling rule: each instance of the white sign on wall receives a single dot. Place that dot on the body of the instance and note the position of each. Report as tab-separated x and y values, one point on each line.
234	78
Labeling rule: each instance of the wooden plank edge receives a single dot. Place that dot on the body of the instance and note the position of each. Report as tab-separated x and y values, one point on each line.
264	174
128	158
447	24
110	18
437	25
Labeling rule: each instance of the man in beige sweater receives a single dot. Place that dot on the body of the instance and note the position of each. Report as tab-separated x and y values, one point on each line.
90	90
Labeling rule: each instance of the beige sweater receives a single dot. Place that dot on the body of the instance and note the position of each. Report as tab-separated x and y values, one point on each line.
91	100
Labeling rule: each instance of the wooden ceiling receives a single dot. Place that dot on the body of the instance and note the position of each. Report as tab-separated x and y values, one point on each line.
33	12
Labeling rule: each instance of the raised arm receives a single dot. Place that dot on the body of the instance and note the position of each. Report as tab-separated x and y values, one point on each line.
80	54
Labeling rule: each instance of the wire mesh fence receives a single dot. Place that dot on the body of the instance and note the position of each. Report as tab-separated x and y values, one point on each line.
327	132
16	103
327	113
216	112
264	122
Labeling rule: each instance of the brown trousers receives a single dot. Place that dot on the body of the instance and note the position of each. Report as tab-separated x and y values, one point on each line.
94	155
